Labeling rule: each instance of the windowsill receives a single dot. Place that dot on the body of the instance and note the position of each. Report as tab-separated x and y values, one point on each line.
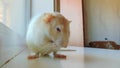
74	60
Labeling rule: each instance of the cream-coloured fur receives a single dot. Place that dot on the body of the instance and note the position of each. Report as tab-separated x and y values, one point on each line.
48	33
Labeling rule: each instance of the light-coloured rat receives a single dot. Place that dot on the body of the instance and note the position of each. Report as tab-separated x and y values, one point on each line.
48	33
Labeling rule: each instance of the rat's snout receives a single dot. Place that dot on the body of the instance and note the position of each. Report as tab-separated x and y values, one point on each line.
65	44
61	42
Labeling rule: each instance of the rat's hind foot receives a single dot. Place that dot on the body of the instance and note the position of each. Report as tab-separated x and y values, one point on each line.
60	56
33	56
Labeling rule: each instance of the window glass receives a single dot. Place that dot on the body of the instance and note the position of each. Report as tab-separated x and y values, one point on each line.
12	14
1	15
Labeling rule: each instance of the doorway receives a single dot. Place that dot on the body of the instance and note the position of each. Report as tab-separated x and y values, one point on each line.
72	9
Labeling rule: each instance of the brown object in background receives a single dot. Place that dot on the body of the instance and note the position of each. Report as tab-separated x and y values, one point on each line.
104	44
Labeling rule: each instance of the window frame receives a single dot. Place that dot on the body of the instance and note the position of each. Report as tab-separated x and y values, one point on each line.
56	5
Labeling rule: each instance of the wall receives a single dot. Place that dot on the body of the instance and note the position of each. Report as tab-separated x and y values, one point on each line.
72	9
102	19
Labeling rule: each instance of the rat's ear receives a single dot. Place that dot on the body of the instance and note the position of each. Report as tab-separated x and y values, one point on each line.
48	17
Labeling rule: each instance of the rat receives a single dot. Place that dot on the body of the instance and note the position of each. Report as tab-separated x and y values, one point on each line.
47	33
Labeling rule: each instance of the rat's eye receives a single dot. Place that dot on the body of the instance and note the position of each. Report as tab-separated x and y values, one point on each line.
58	29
